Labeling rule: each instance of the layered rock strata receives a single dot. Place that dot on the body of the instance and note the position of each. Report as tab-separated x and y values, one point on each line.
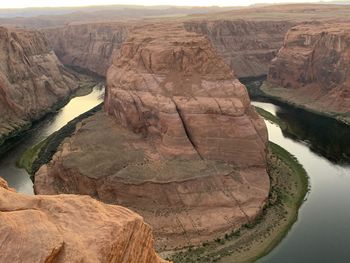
313	68
69	228
32	80
246	46
182	145
87	46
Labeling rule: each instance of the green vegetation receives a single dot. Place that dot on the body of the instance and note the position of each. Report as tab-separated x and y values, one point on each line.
253	87
297	169
270	117
17	130
30	155
41	153
84	89
12	138
289	185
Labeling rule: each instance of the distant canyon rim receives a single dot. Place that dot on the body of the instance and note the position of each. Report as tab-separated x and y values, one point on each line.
178	141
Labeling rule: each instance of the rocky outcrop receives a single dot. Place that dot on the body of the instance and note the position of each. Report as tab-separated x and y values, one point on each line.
181	144
68	228
87	46
175	89
313	67
32	80
247	46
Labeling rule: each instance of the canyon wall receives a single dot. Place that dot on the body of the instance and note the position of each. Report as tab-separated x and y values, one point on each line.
313	67
87	46
69	228
246	46
181	144
32	80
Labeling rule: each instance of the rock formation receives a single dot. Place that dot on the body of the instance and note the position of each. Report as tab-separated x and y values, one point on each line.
182	145
69	228
248	38
87	46
32	80
313	67
247	46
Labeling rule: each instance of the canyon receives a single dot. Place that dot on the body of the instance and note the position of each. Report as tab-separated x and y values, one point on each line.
68	228
178	141
248	39
32	80
247	46
87	46
312	69
184	144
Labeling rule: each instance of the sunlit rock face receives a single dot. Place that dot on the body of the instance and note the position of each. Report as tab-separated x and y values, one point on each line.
70	228
179	142
32	80
87	46
246	46
312	68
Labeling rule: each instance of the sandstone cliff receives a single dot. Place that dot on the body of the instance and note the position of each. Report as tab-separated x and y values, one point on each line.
87	46
182	145
177	90
32	80
313	67
247	46
70	228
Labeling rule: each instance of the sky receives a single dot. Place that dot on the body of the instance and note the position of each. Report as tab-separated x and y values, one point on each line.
56	3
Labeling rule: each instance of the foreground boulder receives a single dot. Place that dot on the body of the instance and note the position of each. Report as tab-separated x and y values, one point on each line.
312	68
32	80
70	228
181	144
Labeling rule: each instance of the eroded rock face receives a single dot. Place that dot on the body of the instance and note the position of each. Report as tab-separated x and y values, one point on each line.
313	67
247	46
32	80
70	228
177	90
87	46
181	144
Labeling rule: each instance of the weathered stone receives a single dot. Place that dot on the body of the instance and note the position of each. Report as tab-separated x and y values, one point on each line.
69	228
312	68
32	80
182	145
88	46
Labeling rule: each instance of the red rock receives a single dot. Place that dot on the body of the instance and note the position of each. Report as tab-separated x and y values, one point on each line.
32	80
87	46
312	67
247	46
175	89
182	145
69	228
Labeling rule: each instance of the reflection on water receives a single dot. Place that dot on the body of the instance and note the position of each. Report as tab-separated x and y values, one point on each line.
325	136
19	178
322	232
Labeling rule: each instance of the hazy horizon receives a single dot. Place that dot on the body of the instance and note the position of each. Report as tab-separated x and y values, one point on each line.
18	4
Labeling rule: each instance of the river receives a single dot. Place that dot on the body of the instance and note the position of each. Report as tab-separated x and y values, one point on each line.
19	178
322	231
